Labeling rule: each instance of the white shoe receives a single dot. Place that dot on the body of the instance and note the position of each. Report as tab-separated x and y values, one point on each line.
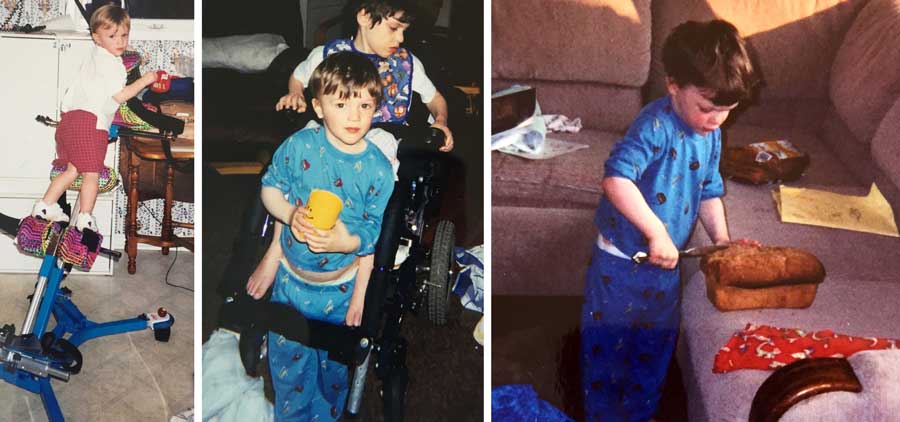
86	221
51	213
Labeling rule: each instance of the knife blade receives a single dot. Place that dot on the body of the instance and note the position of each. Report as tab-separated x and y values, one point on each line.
697	251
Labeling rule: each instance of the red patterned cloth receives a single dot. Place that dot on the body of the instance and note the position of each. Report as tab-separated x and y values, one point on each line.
78	141
765	347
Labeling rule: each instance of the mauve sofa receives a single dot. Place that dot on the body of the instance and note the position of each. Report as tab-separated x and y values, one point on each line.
832	87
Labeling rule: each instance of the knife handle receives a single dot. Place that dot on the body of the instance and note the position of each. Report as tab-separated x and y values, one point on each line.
640	257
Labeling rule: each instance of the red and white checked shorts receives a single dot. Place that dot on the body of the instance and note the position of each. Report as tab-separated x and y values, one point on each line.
78	141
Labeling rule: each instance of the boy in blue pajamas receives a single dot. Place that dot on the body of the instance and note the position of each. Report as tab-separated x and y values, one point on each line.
325	275
659	179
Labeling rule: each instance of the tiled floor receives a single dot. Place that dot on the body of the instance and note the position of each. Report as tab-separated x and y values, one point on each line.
127	377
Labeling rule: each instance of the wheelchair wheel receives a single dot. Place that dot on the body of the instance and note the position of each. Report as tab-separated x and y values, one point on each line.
439	276
393	395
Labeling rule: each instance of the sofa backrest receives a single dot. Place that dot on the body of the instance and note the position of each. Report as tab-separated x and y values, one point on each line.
794	42
589	58
604	41
865	75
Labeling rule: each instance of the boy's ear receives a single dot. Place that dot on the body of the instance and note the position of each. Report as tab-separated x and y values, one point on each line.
317	107
363	20
671	86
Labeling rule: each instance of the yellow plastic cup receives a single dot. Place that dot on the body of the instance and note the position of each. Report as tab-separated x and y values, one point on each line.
324	208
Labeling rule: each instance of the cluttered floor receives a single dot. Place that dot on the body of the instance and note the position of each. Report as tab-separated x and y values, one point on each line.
125	377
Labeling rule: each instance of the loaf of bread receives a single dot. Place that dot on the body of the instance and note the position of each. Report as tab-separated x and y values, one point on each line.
726	298
756	267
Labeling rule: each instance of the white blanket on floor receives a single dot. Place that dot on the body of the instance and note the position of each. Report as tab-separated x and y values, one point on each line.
229	395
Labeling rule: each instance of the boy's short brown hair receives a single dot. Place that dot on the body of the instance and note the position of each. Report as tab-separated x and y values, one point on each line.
345	73
710	55
109	15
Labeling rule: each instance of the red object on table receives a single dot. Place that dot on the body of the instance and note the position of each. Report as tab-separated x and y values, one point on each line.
766	347
163	82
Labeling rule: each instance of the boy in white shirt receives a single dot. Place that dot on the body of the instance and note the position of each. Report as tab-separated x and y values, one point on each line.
378	37
88	108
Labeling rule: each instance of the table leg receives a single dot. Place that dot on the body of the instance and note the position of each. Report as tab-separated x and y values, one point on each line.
131	217
167	230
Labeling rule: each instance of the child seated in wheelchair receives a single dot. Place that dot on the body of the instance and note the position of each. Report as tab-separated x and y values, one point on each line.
325	275
381	24
88	107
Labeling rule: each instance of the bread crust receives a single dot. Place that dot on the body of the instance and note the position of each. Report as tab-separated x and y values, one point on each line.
755	267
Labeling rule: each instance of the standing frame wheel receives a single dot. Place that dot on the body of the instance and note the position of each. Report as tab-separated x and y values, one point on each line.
393	395
438	292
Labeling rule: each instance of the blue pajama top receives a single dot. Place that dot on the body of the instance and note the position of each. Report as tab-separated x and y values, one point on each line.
674	168
307	161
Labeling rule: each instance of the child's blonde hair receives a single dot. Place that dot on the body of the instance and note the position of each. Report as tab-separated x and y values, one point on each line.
109	15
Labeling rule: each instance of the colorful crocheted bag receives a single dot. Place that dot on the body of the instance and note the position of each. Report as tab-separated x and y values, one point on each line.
80	249
34	235
109	178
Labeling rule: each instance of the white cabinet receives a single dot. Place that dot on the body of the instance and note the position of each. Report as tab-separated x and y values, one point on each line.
36	71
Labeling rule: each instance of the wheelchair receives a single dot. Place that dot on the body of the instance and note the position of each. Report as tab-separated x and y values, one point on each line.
421	284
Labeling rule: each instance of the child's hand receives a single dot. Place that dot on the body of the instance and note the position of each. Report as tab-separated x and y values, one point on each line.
300	225
148	78
355	311
262	276
338	239
294	102
448	141
663	252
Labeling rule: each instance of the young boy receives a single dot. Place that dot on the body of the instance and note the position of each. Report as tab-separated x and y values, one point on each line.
325	276
88	107
659	179
381	24
378	37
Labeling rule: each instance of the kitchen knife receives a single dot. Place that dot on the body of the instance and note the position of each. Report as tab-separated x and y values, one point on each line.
698	251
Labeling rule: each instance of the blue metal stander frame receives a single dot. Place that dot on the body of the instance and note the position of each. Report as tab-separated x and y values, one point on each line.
69	319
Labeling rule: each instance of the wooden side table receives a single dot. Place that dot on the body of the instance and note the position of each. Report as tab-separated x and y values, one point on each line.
173	153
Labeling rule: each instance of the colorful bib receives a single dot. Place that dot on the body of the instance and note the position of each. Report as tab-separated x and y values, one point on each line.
396	74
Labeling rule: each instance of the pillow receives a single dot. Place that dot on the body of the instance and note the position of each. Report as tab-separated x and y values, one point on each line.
243	53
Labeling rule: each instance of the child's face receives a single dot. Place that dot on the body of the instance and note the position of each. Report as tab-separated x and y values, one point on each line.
694	106
346	119
113	38
384	38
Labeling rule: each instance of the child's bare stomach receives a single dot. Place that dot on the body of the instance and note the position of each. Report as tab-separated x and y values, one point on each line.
325	277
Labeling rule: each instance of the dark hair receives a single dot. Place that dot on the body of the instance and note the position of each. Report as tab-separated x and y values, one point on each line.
381	9
710	55
346	73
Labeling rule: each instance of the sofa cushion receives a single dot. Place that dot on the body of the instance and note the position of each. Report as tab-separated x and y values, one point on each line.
568	181
587	40
865	76
853	305
886	144
599	106
794	42
540	251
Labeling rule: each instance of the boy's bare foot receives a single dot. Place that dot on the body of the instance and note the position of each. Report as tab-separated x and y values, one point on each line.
262	278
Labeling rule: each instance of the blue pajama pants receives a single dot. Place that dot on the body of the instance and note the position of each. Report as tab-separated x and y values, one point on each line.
308	386
628	327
